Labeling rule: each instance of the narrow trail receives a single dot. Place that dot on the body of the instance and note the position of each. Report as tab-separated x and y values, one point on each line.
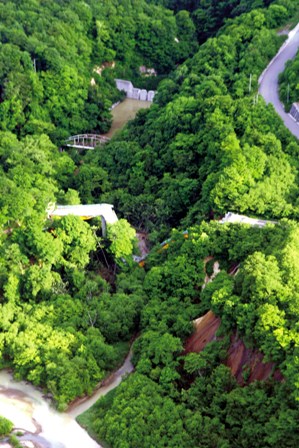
268	81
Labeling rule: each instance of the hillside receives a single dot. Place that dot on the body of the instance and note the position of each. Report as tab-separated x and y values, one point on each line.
51	50
229	390
71	298
193	154
246	365
208	145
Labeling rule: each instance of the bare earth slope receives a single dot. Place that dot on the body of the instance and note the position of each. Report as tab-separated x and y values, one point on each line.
240	359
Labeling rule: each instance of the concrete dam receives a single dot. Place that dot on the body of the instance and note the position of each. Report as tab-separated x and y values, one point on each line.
133	92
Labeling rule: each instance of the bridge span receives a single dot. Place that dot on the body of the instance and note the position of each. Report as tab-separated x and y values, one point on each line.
86	141
104	211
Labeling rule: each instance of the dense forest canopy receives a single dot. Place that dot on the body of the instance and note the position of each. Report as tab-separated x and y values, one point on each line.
193	154
178	400
70	299
49	51
209	15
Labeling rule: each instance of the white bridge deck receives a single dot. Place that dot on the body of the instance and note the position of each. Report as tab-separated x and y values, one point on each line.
84	211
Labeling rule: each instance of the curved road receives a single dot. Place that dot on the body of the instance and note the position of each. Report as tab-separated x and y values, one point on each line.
268	82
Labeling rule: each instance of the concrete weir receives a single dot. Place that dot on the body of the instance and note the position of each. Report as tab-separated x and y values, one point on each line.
133	92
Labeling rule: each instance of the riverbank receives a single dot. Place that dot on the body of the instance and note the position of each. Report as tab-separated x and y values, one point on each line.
33	415
42	425
84	410
87	419
28	408
111	382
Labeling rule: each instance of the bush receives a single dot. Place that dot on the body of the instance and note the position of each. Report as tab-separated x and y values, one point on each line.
5	426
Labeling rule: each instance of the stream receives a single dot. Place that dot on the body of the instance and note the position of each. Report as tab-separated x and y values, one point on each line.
32	413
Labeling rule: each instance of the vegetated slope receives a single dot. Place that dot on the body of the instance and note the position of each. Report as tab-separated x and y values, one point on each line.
137	33
207	147
246	365
174	399
60	322
49	50
62	327
45	74
209	15
194	153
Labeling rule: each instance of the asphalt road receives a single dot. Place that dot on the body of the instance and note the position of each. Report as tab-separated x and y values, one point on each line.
269	79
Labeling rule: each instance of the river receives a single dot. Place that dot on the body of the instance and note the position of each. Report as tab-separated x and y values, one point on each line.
27	408
125	111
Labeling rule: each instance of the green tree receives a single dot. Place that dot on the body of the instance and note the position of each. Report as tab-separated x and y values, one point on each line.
122	237
5	426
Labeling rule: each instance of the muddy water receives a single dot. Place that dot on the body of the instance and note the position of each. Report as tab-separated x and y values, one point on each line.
28	410
26	407
125	111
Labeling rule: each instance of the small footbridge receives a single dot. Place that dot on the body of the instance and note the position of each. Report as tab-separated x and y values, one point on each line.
86	141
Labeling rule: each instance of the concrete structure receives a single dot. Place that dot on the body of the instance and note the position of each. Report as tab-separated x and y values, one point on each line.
294	112
133	92
105	211
143	95
122	84
150	95
86	141
242	219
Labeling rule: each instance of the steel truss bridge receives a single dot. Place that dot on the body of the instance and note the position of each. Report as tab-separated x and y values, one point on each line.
86	141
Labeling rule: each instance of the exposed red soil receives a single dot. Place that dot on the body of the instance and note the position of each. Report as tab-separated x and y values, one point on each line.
205	331
239	359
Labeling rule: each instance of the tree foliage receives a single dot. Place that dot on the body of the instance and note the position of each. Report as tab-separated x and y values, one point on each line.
205	146
50	52
5	426
193	154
